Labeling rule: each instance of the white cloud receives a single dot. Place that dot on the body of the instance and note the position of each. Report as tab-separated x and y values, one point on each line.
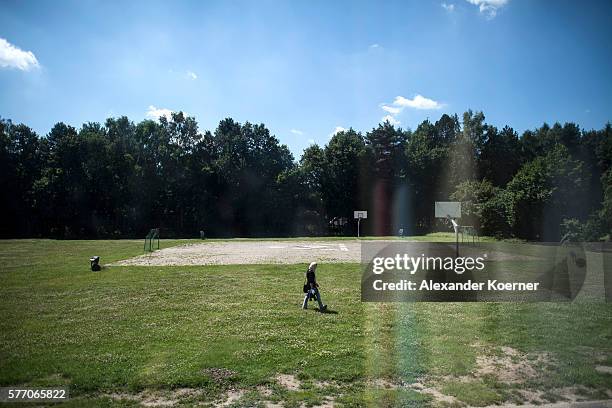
448	7
14	57
296	132
391	119
156	113
337	130
400	103
373	46
311	141
192	75
488	7
394	110
418	102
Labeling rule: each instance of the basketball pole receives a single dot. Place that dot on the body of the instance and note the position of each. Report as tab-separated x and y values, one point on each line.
451	210
456	244
456	229
358	215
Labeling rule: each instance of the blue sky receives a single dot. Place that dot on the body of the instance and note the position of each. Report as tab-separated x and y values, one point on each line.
306	68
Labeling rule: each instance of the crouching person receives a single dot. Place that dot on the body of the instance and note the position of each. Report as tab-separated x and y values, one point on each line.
311	288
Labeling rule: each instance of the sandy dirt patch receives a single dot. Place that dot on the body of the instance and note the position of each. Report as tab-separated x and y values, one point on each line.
288	381
279	252
230	398
603	369
512	366
156	398
251	252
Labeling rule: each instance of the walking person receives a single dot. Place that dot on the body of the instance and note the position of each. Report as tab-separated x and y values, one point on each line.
311	288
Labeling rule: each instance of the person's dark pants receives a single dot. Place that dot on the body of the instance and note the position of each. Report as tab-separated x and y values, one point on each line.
312	293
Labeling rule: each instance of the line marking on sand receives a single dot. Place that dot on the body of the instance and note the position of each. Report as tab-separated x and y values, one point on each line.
314	246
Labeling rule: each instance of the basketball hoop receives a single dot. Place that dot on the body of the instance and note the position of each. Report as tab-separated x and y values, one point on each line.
359	215
450	210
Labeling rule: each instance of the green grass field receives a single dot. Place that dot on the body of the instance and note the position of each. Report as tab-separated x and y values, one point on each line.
223	334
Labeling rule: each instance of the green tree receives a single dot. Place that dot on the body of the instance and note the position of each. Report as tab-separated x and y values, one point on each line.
340	186
62	185
544	192
307	182
500	157
484	206
385	151
426	152
248	160
465	151
20	166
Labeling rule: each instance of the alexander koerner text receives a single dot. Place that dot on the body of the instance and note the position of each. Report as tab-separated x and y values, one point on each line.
429	285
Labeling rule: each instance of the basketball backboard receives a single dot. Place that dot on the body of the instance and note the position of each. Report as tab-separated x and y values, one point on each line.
360	215
445	209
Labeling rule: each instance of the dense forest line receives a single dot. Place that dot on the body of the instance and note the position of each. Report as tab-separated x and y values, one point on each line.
119	179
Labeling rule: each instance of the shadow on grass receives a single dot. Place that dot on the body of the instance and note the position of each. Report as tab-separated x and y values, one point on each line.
327	311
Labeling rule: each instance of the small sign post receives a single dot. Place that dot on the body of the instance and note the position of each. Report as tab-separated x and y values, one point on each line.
359	215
